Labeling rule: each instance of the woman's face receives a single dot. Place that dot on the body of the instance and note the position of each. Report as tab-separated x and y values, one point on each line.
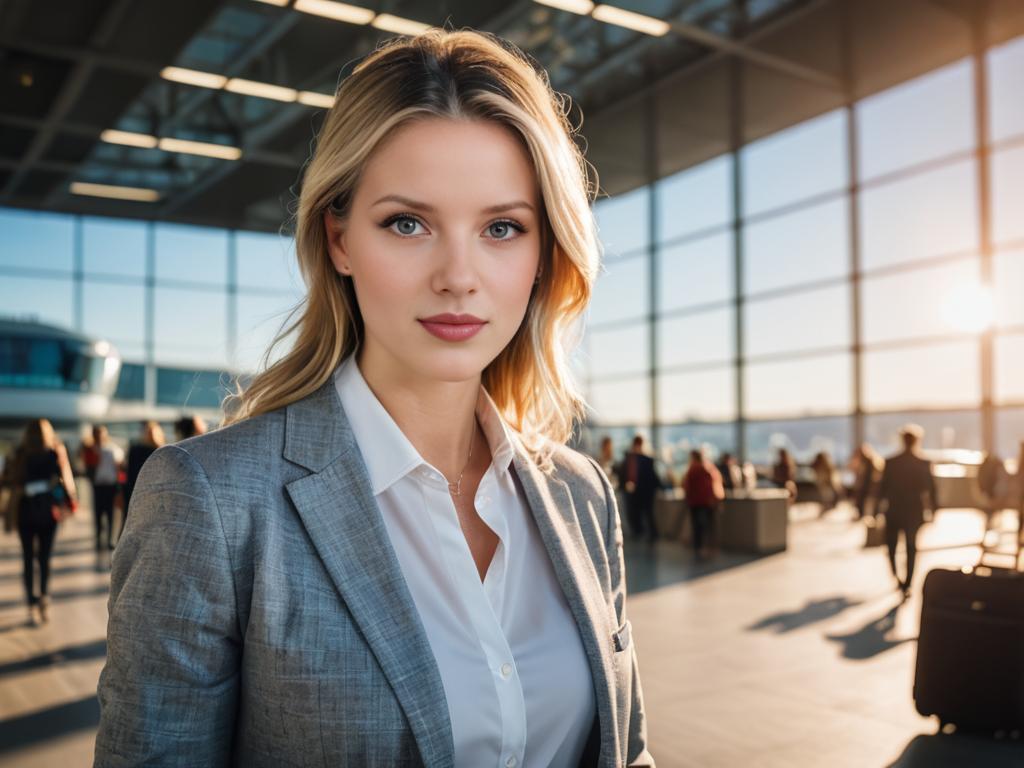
442	242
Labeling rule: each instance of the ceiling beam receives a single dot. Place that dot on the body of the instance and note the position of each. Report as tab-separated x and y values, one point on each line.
67	97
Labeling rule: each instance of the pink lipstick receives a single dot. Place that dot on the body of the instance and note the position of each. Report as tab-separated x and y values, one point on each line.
449	327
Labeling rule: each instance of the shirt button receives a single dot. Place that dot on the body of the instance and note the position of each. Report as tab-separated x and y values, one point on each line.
511	762
506	670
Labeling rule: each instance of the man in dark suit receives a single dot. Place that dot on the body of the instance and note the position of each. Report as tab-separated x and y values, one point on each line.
908	489
639	483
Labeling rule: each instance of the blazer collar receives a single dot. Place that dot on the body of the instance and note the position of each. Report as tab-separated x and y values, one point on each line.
341	516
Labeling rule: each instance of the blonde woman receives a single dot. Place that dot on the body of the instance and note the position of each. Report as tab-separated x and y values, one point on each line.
389	558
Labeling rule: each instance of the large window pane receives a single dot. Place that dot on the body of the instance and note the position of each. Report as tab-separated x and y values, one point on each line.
195	254
1008	193
117	313
191	328
267	261
817	319
802	387
928	117
191	389
260	319
699	396
131	384
35	240
942	429
802	247
1009	362
619	350
623	221
113	246
43	300
621	292
1008	288
1010	432
795	164
932	376
698	272
1005	74
706	337
803	438
921	303
928	214
695	199
622	401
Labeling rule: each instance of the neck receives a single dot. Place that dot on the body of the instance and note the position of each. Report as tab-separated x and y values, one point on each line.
437	417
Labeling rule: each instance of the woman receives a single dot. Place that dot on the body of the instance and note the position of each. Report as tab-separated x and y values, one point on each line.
105	485
42	490
152	438
389	557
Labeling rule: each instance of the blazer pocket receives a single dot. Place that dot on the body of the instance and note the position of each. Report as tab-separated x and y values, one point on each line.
622	639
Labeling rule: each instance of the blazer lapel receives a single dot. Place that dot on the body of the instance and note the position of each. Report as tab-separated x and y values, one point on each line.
555	514
340	514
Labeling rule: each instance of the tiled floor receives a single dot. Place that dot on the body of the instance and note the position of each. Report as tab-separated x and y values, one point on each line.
799	659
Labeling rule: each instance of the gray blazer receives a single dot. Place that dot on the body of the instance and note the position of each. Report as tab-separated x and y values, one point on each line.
259	616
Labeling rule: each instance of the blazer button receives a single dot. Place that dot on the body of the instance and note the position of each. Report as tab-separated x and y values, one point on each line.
506	671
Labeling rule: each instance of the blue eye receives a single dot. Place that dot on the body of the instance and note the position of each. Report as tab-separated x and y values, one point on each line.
501	230
402	225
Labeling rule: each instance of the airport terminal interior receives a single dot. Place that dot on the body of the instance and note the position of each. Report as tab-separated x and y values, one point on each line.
811	216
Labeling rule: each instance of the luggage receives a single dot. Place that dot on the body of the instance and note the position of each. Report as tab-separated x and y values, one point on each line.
970	650
875	531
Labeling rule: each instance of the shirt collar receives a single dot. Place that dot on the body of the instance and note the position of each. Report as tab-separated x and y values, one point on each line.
387	452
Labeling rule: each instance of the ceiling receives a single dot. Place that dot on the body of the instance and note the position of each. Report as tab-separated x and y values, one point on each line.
71	69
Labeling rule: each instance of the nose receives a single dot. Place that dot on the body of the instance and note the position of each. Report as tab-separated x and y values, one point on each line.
456	271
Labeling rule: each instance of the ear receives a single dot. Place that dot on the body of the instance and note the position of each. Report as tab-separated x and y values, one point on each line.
334	229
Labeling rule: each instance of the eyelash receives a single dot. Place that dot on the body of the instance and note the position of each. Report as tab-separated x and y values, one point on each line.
387	223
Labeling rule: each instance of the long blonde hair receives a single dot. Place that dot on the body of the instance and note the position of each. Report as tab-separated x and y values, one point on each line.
459	75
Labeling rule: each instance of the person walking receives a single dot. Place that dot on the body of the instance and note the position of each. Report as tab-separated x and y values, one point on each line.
152	438
907	492
639	484
105	484
41	492
704	491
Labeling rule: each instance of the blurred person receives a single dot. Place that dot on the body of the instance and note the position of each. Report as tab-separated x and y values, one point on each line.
731	472
704	490
152	437
825	480
907	492
388	556
188	426
784	473
41	492
105	484
866	466
606	459
89	456
639	484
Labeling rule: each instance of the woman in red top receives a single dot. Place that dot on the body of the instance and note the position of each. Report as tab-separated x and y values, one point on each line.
703	488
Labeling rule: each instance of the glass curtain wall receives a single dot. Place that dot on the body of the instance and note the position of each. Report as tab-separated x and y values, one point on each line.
835	344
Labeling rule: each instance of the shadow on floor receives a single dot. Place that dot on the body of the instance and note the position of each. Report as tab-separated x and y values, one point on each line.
83	652
957	751
664	563
870	640
813	611
39	727
66	570
60	596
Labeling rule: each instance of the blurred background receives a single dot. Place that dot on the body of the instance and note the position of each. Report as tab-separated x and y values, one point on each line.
812	214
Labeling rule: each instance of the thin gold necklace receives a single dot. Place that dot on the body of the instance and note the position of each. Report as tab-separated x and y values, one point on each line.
456	488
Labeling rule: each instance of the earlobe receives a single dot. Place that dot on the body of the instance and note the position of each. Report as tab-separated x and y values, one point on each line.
334	230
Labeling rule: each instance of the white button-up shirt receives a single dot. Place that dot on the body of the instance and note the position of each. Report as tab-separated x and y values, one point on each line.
513	666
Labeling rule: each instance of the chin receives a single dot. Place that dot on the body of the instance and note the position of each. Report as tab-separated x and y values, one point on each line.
453	365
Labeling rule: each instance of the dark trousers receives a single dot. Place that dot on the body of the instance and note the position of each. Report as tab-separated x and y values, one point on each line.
36	526
892	533
640	514
103	508
700	521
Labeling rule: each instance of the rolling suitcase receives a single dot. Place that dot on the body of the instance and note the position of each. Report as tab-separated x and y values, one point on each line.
970	650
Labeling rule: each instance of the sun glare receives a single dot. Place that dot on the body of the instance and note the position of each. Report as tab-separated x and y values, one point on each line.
969	308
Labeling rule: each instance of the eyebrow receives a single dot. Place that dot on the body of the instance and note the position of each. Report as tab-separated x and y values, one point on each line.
427	208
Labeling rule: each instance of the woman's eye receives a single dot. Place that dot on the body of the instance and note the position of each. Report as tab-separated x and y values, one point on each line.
502	230
403	225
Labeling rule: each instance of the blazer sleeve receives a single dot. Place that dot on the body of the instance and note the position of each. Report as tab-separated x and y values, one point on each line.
637	754
168	692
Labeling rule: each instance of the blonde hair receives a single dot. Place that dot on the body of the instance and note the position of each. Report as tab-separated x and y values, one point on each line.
457	75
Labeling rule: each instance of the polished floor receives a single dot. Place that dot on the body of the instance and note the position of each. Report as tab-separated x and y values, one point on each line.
804	658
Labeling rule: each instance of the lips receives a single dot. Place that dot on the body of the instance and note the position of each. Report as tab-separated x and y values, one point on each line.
451	327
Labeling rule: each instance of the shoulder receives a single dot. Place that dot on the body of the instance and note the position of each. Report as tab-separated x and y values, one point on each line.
578	470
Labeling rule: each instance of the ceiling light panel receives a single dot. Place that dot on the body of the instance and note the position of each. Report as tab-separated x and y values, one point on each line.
263	90
582	7
314	99
635	21
398	25
138	194
128	138
220	151
193	77
352	14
